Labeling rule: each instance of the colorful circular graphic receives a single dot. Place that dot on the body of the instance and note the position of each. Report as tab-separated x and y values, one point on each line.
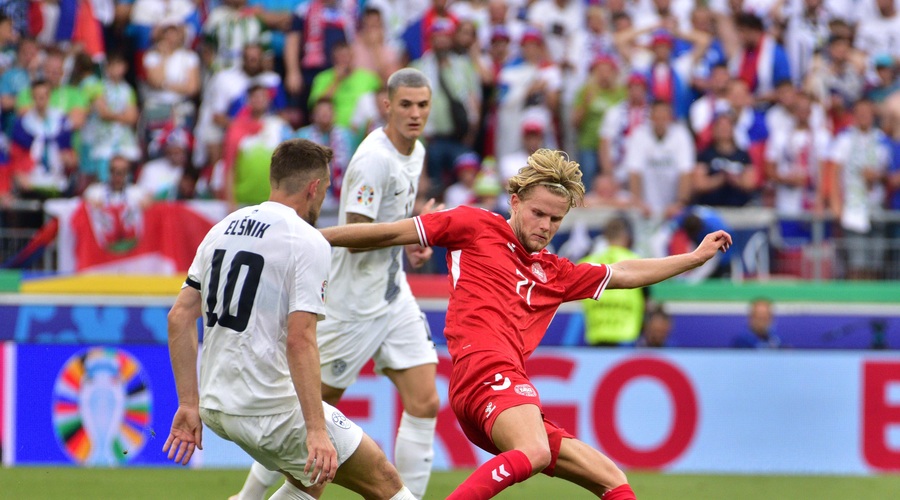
102	407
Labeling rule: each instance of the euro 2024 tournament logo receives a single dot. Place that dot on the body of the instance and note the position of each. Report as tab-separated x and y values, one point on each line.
102	407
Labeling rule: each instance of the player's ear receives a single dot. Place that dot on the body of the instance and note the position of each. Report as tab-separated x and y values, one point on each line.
313	188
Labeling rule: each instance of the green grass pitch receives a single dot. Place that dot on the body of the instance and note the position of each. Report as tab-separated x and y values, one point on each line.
26	483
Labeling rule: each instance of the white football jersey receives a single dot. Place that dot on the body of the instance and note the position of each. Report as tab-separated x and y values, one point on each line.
380	183
258	265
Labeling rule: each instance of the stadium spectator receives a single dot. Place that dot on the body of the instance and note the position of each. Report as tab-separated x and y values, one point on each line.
42	161
711	104
249	143
760	333
615	319
161	178
759	60
561	23
861	156
370	114
806	31
657	328
324	131
110	129
619	123
344	84
466	168
116	207
65	98
533	127
230	27
455	103
172	80
876	34
18	77
417	38
371	50
607	193
659	159
598	94
503	337
670	75
723	175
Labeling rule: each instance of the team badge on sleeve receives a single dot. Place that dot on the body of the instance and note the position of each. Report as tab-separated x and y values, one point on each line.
323	289
526	390
365	195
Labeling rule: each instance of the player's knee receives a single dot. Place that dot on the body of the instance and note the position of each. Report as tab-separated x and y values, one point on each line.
616	478
539	456
425	407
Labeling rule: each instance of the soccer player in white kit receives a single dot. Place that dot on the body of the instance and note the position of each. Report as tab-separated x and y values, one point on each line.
372	313
259	279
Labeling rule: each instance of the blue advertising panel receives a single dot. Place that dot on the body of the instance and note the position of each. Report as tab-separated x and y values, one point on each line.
93	405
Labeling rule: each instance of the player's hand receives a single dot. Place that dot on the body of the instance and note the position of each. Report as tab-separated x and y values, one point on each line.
430	207
185	436
712	243
321	464
418	255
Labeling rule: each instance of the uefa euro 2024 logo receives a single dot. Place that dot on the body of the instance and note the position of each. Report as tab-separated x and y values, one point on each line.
102	407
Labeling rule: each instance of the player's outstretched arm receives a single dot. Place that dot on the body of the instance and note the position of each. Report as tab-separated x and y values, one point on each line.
303	362
186	433
380	235
644	272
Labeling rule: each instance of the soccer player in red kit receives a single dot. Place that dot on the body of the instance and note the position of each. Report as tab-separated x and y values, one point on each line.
505	289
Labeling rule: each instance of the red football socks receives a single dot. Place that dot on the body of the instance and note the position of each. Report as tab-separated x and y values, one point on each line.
495	475
621	492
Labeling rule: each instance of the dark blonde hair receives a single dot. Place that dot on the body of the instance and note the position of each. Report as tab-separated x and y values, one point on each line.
553	170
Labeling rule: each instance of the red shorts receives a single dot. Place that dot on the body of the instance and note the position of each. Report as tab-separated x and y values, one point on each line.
482	386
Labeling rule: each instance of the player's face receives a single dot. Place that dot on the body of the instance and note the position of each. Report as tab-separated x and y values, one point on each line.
536	219
408	111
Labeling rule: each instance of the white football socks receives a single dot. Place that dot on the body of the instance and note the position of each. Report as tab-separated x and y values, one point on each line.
258	482
290	492
414	452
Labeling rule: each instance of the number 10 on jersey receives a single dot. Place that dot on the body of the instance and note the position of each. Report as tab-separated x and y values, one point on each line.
237	322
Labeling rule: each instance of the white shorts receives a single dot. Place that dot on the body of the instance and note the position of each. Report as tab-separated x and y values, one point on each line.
398	339
278	442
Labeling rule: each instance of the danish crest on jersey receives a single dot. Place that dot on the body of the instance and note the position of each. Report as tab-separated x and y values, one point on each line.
340	420
538	271
526	390
365	195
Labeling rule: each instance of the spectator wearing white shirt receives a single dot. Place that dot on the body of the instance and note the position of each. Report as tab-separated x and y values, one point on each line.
160	178
880	34
659	158
619	123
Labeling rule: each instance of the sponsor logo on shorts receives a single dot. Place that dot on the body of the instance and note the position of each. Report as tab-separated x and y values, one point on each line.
340	420
338	367
499	386
526	390
489	409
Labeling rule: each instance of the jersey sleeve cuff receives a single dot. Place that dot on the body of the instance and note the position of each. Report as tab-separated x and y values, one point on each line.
193	284
603	283
420	230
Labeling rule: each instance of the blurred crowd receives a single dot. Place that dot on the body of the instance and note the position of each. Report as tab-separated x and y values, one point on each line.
790	104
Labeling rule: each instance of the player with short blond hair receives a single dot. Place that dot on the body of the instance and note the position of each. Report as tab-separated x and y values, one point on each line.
505	289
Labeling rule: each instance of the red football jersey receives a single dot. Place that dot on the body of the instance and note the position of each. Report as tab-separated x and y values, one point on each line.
502	297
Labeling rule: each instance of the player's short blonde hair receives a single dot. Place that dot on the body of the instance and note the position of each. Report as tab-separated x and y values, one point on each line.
553	170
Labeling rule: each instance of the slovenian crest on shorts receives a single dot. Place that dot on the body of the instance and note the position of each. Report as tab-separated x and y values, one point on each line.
365	195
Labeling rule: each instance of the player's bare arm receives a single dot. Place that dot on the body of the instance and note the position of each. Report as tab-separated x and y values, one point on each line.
303	361
380	235
353	218
644	272
186	432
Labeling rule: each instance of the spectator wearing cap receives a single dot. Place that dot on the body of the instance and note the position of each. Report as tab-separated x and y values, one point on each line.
161	177
343	84
455	103
148	17
757	58
417	38
531	81
669	77
598	94
325	131
659	158
502	17
619	123
885	81
466	167
316	27
723	175
371	51
225	97
247	150
229	27
110	130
